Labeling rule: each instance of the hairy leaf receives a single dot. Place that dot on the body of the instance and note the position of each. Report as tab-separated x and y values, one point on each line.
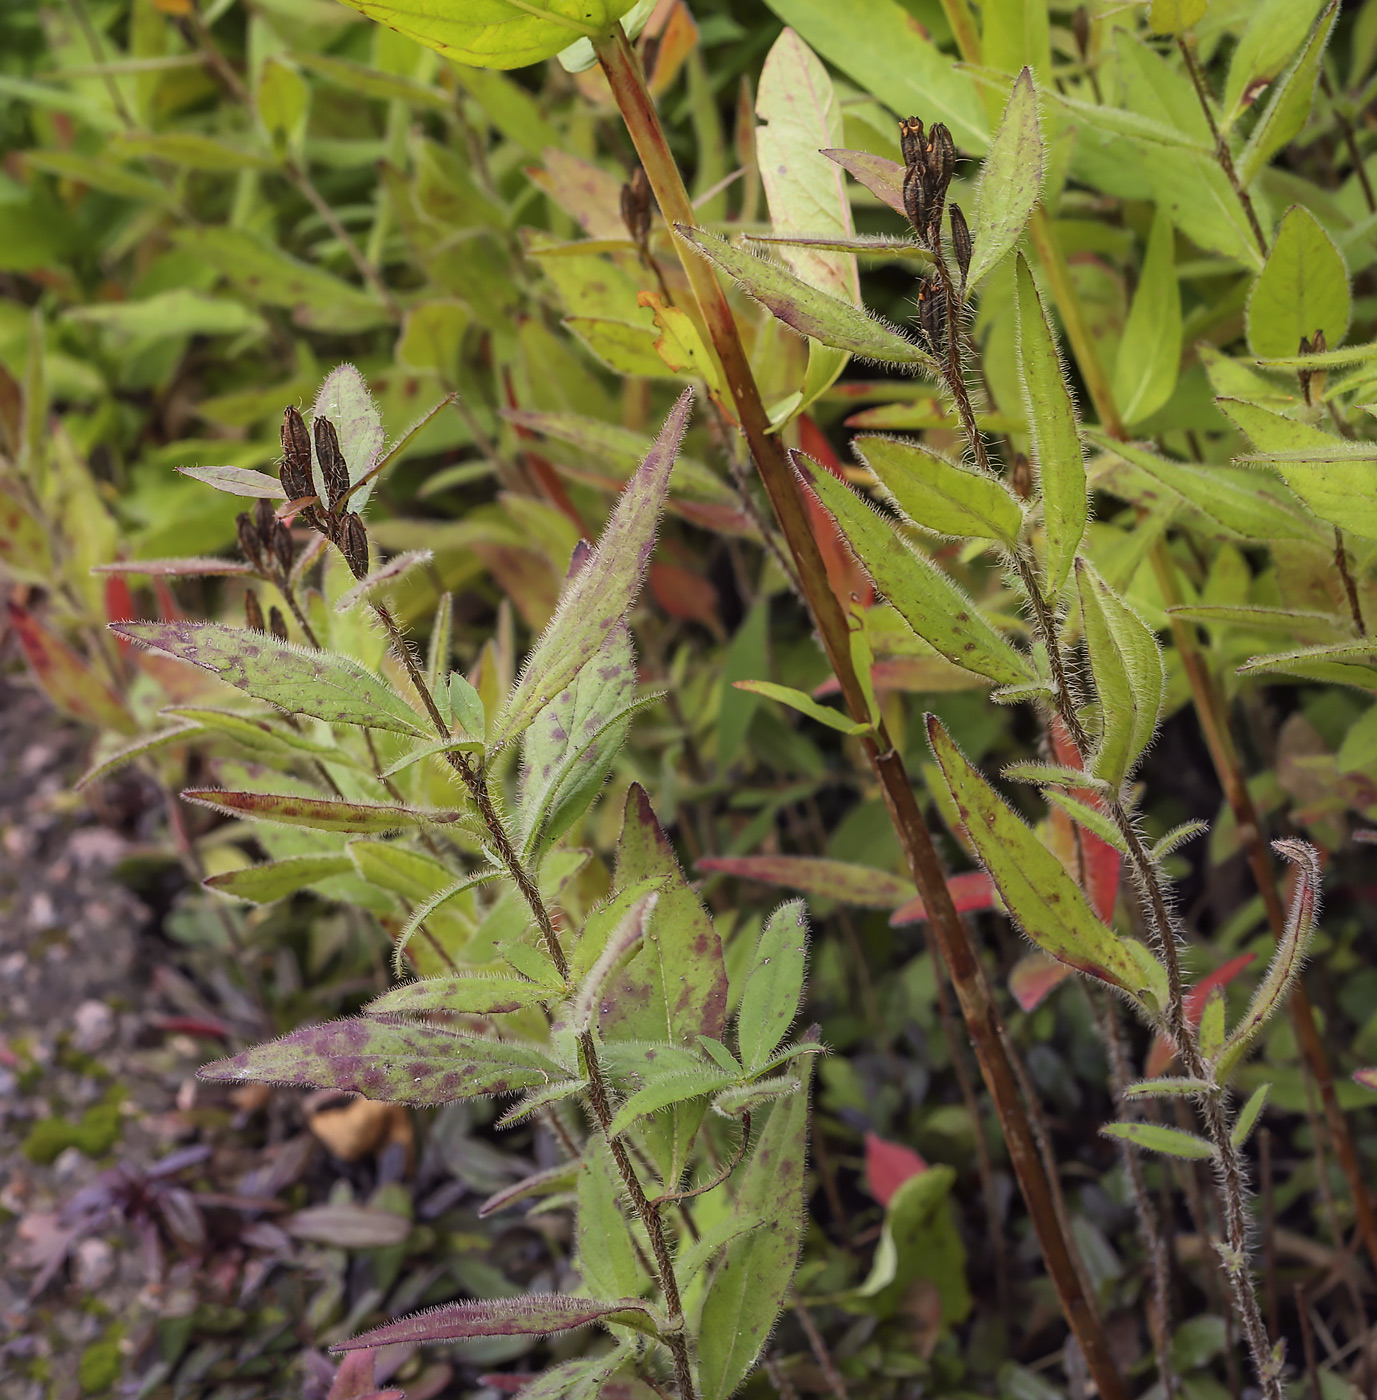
1149	358
319	813
393	1060
774	984
276	879
606	1247
1155	1137
805	705
469	993
816	875
672	1087
1010	181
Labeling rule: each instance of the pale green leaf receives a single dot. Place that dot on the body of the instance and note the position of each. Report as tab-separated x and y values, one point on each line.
1249	1114
1149	357
1345	663
1093	820
1053	433
1165	1088
774	984
1276	29
1209	1035
318	813
1302	289
672	1087
468	993
1010	181
805	705
1174	16
606	1248
1154	1137
276	879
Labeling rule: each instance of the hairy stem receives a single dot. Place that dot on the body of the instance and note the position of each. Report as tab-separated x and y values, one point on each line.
953	940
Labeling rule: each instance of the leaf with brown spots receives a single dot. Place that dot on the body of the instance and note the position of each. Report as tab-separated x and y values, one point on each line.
316	683
1041	897
392	1060
319	813
861	885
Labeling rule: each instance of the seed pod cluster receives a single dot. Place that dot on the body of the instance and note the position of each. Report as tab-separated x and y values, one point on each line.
332	517
264	541
253	613
929	160
277	624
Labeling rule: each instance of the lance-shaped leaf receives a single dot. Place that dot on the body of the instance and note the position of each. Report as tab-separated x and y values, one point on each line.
805	309
126	753
860	885
1010	181
1347	663
674	1086
1053	432
884	178
1249	1114
1288	106
475	993
392	1060
606	1247
316	683
923	595
1041	897
1154	1137
378	579
1130	679
1163	1052
1289	957
319	813
176	568
947	497
345	400
238	481
621	941
603	591
753	1278
1149	357
67	678
774	984
276	879
530	1315
805	705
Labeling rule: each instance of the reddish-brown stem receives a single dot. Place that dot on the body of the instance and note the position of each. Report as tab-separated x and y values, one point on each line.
953	940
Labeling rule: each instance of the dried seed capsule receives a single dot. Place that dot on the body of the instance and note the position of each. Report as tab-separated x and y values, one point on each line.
1021	476
916	203
253	614
332	464
284	551
941	159
250	545
636	207
352	540
277	624
296	456
960	241
932	315
264	518
911	141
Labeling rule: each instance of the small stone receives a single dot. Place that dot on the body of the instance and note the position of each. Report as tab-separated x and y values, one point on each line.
93	1026
42	914
95	1264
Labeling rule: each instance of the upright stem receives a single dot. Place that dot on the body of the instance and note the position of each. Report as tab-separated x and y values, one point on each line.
953	939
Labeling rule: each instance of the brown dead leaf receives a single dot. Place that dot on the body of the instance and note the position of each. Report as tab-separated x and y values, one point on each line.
362	1126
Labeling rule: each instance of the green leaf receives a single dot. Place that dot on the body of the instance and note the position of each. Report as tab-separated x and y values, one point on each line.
318	813
774	984
1053	433
182	311
749	651
923	595
238	481
276	879
1154	1137
1174	16
881	48
1041	897
316	683
590	1002
1093	820
1165	1088
364	81
947	497
101	173
430	750
1302	288
1130	679
1210	1033
807	310
1289	103
805	705
24	550
754	1275
1346	663
495	33
571	744
470	993
1149	357
672	1087
259	734
675	988
1050	775
431	912
345	400
861	885
606	1248
194	151
1177	837
1010	181
1288	960
395	1061
806	192
1249	1114
1276	29
602	592
1202	202
466	706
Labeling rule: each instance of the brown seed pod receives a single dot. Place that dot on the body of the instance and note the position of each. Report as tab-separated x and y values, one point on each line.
636	207
296	455
911	141
1021	476
960	240
284	551
277	624
264	519
332	464
250	544
941	159
352	539
253	614
916	202
932	315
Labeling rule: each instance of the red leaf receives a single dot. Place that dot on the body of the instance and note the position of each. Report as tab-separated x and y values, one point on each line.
887	1166
847	577
1033	978
815	875
1102	861
530	1315
1163	1053
970	892
684	594
66	677
119	606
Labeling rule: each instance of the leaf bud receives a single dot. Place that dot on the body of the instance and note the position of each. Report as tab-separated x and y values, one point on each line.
960	241
636	207
250	545
284	551
911	141
352	539
253	614
332	464
277	624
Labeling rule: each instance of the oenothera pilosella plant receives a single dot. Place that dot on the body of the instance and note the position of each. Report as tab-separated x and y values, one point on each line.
1093	666
394	789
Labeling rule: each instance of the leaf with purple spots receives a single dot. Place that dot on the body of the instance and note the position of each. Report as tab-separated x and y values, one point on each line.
391	1060
316	683
319	813
600	594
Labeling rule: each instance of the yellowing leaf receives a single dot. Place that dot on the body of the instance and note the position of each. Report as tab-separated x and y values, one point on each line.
1302	289
1173	16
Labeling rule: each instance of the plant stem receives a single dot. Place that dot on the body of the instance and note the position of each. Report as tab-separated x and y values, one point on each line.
1355	606
598	1098
1221	144
954	943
